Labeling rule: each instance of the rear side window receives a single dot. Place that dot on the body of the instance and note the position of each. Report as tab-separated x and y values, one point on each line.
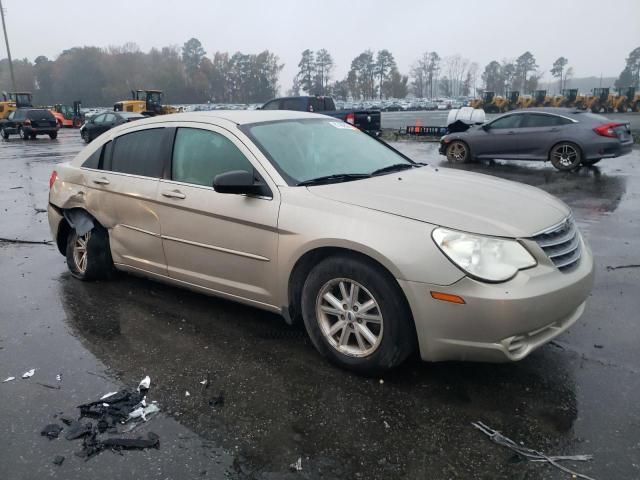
94	159
316	105
538	120
200	155
139	153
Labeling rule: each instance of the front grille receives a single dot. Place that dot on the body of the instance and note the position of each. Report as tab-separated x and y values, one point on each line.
561	243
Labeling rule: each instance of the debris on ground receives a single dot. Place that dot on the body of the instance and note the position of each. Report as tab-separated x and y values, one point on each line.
58	460
187	394
59	377
618	267
109	413
46	385
29	374
597	345
386	425
533	455
51	431
8	379
217	401
144	384
28	242
297	465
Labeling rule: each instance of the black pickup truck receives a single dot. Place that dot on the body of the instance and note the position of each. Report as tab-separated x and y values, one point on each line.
366	120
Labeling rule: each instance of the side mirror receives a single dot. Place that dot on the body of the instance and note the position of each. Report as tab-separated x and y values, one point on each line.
486	127
239	182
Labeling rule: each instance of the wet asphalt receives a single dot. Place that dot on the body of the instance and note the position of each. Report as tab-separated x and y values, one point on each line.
282	401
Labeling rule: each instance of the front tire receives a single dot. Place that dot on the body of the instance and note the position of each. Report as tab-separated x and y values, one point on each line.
53	135
356	315
89	255
5	135
21	134
458	152
86	137
565	156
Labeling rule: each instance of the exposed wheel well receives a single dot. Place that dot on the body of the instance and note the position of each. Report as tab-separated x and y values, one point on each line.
310	259
65	228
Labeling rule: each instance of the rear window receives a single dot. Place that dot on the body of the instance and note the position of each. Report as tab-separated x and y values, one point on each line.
139	153
40	115
296	104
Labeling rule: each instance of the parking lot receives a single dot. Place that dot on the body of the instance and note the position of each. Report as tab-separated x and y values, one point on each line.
282	401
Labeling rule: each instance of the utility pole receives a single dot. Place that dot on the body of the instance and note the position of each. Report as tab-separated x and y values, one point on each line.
6	41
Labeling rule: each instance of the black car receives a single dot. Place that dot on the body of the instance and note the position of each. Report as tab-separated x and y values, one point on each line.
29	123
102	122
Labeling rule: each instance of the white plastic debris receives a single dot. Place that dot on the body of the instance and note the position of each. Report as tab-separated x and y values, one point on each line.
297	465
145	383
386	425
144	412
203	382
105	405
29	374
187	394
59	377
8	379
107	395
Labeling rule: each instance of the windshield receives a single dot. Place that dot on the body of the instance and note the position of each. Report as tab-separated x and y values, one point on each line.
302	150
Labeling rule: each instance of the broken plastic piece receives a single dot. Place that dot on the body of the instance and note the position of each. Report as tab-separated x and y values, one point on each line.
144	384
187	394
297	465
217	401
29	374
152	441
79	220
8	379
107	395
58	460
51	431
533	455
59	378
77	430
144	412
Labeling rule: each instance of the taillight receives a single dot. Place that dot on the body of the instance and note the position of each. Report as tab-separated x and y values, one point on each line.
52	179
351	118
607	129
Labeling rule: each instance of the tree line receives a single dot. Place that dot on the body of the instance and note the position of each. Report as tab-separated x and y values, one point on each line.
101	76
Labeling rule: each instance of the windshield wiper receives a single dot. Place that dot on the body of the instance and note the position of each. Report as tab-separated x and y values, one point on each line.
335	178
396	167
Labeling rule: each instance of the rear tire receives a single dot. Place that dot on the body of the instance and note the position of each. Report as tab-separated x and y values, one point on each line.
366	324
53	135
89	255
458	152
5	135
565	156
21	134
86	137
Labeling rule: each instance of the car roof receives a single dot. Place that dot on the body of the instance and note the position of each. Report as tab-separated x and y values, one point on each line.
239	117
552	110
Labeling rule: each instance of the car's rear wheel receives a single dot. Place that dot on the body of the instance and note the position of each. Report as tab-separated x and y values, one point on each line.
89	255
5	135
588	163
53	135
356	316
21	134
565	156
458	152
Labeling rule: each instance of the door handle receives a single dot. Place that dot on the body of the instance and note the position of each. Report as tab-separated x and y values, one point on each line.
101	181
174	194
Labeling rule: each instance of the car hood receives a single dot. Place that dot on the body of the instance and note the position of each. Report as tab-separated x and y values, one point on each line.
465	201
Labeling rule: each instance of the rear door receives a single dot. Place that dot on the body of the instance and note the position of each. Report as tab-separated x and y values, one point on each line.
122	196
223	242
538	133
500	139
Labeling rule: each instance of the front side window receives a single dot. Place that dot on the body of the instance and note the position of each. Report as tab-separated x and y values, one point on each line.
139	153
99	118
293	104
200	155
302	150
510	121
273	105
110	117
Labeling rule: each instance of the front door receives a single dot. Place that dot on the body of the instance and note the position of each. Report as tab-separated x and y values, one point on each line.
499	139
224	242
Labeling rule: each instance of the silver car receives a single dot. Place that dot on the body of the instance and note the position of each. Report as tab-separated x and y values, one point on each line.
566	137
304	215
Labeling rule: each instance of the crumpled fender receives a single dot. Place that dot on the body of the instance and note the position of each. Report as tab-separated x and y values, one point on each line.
79	220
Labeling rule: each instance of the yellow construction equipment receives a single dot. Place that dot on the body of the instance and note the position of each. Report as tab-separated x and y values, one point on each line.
568	98
146	102
12	100
622	102
598	101
541	99
491	103
525	101
512	96
634	105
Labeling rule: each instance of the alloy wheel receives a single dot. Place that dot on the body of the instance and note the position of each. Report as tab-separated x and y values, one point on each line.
80	253
565	155
349	317
457	152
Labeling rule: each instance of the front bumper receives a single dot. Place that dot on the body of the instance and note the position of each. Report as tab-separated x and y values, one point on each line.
499	322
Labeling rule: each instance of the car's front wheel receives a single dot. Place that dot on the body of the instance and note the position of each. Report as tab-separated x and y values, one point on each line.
22	134
356	315
5	135
86	137
565	156
89	255
458	152
53	135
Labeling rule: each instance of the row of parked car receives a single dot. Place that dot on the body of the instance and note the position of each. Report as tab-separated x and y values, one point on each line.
405	105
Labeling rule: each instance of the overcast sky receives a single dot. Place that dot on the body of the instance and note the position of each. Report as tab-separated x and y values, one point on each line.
595	36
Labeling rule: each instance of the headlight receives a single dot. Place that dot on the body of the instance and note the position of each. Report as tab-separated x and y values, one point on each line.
486	258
